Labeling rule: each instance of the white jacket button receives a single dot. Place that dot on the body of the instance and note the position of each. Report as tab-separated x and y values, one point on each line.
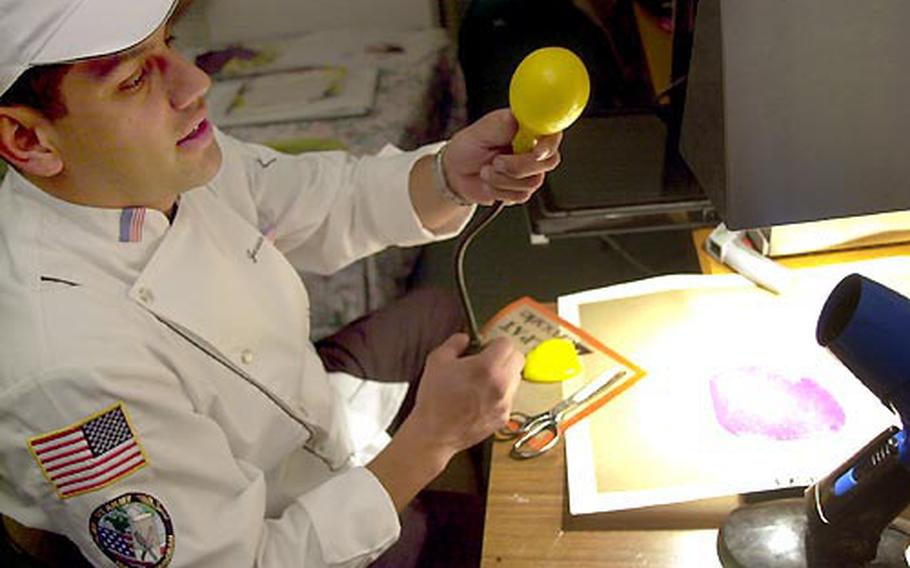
246	356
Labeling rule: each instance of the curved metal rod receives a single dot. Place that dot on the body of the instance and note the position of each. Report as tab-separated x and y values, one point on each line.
475	344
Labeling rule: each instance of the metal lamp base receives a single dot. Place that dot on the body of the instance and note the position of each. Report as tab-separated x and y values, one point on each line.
773	535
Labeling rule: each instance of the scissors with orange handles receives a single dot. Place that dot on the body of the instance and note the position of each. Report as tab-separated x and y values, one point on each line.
539	433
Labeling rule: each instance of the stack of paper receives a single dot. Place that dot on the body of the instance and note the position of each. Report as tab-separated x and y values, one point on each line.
309	93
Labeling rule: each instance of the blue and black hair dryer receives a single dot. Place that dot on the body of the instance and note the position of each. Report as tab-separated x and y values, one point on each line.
867	326
849	518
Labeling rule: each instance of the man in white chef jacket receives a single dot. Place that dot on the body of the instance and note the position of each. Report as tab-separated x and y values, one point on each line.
160	401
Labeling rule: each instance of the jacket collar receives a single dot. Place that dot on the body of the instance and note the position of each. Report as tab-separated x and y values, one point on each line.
49	237
128	225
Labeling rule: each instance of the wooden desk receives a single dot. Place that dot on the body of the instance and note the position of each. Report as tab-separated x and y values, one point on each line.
658	47
528	525
527	520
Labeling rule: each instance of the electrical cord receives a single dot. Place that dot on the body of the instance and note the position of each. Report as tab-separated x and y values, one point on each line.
678	82
475	344
627	256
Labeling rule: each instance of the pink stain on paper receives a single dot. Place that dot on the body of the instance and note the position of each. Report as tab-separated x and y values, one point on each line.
757	401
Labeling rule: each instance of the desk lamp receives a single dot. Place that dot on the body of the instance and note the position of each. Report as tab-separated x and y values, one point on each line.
548	92
848	518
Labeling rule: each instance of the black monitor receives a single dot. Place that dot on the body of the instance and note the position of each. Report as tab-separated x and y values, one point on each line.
798	110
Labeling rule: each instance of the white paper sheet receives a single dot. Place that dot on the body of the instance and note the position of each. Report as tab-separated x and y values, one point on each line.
739	397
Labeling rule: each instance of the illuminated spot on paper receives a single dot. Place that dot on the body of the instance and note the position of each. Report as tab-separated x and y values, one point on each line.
757	401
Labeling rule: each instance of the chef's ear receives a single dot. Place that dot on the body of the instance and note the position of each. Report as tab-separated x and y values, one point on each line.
25	142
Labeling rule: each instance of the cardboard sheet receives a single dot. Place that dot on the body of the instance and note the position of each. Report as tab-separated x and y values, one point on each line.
528	323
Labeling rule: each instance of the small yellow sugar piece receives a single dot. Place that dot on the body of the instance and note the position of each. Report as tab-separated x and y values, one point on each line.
552	360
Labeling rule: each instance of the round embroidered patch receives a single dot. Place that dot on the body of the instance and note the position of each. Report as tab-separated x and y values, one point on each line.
134	530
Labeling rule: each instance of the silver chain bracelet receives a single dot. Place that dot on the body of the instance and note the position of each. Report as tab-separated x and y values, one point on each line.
442	182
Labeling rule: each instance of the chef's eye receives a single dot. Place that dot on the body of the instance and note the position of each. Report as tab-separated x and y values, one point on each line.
135	81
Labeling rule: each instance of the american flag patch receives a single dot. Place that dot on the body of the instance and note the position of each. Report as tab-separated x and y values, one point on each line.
131	220
119	543
90	454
